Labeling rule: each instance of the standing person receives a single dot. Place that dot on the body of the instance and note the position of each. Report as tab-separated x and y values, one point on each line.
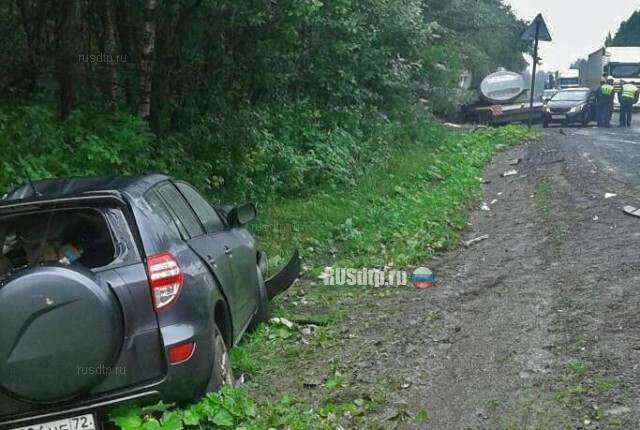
628	97
606	93
604	97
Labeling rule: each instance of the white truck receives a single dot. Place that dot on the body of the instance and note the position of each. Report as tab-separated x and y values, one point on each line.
568	79
621	63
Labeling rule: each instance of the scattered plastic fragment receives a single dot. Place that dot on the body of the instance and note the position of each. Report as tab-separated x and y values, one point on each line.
508	173
472	242
630	210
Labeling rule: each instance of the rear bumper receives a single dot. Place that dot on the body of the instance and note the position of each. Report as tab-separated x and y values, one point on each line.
99	408
181	383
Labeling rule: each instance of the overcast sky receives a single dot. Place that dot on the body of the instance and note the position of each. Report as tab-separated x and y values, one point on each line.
578	27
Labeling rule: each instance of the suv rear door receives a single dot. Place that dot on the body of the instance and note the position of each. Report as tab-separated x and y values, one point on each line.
211	247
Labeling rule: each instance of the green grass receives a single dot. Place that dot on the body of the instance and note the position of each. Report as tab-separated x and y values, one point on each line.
400	213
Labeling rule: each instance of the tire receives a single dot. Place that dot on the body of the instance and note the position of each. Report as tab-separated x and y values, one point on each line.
263	314
221	371
586	117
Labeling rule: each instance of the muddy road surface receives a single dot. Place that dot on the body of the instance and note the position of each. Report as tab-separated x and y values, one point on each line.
535	327
546	312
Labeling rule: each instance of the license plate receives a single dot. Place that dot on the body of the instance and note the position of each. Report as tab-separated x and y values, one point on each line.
558	117
82	422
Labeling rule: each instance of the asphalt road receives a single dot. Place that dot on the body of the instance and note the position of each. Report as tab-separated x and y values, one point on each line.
617	149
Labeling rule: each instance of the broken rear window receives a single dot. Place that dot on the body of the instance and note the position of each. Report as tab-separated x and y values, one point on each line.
78	236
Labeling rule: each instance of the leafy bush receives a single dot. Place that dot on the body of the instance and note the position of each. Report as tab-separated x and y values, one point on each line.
291	150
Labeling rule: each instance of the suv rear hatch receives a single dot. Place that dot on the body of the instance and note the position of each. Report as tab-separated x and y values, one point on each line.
77	319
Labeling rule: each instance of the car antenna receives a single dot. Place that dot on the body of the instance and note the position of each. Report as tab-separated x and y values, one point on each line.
33	187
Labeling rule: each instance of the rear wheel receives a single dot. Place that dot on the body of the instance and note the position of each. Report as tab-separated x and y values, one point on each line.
221	370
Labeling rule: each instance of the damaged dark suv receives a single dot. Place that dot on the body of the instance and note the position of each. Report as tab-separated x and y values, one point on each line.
121	289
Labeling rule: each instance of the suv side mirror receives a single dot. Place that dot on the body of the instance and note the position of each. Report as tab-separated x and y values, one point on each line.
241	215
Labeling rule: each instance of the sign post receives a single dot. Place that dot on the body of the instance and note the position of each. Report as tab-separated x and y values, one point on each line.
537	31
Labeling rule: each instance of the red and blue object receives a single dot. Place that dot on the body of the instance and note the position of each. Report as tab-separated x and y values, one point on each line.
70	252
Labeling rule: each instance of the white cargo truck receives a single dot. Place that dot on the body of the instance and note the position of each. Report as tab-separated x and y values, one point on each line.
621	63
568	79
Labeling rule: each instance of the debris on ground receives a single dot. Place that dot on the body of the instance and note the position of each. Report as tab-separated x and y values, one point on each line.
312	383
609	195
630	210
472	242
452	125
515	161
285	322
494	201
595	218
561	160
485	207
562	132
508	173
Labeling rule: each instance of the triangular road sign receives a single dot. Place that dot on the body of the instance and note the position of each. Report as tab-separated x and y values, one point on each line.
540	27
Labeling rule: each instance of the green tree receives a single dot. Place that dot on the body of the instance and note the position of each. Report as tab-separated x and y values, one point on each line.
629	32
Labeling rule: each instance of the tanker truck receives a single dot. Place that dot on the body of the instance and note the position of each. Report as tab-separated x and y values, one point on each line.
502	101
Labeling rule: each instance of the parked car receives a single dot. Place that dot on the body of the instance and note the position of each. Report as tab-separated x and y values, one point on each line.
121	289
571	105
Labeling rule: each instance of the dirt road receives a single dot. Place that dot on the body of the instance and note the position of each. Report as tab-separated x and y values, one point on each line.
541	321
536	327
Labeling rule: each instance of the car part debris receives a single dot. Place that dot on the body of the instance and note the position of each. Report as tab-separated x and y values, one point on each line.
515	161
609	195
508	173
281	281
494	201
472	242
285	322
630	210
485	207
561	160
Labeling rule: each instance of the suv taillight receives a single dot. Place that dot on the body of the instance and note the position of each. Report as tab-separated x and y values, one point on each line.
165	280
